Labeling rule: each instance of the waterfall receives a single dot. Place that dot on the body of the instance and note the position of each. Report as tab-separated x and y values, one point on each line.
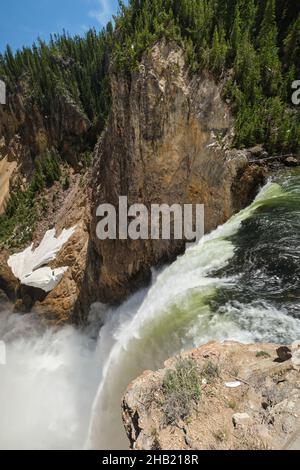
62	388
176	314
47	386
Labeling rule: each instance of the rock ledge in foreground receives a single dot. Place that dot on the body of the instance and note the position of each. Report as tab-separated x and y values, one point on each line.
220	396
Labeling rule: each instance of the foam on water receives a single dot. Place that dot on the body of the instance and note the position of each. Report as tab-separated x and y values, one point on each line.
61	389
175	315
47	385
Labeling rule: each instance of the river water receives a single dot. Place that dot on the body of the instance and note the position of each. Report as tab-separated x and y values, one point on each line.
63	389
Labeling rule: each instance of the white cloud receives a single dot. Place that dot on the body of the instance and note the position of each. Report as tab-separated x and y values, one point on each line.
103	14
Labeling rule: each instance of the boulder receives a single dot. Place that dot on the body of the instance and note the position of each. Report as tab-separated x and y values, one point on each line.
284	354
258	152
241	419
296	360
292	161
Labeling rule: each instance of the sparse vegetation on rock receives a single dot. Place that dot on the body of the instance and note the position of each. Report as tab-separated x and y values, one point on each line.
261	413
181	389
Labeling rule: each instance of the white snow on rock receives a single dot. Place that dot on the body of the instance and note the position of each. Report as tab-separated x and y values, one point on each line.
27	266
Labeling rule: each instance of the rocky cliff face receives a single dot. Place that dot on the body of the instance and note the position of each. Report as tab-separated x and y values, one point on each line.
167	141
65	208
248	398
26	130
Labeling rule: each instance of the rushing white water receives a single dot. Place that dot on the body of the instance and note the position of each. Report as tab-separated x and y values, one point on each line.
61	389
47	385
175	315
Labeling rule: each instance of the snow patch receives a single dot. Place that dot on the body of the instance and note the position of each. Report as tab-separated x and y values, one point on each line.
27	266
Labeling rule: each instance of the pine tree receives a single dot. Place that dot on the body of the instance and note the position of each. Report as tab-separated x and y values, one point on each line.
247	71
255	42
292	47
218	52
268	50
236	34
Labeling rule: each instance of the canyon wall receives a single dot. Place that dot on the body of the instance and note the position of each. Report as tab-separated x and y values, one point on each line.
27	130
167	140
26	134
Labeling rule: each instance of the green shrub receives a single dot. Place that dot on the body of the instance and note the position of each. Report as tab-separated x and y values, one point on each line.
262	354
66	183
181	389
17	224
86	159
211	372
44	206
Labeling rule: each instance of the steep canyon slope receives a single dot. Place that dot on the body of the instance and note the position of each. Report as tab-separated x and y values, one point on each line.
167	140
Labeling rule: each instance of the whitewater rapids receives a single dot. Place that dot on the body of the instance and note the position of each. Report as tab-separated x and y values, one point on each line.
176	314
62	389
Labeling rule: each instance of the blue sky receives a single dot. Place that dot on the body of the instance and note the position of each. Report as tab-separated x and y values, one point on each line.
22	21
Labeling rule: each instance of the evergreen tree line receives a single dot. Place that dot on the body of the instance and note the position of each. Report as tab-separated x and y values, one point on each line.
76	68
253	44
17	224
